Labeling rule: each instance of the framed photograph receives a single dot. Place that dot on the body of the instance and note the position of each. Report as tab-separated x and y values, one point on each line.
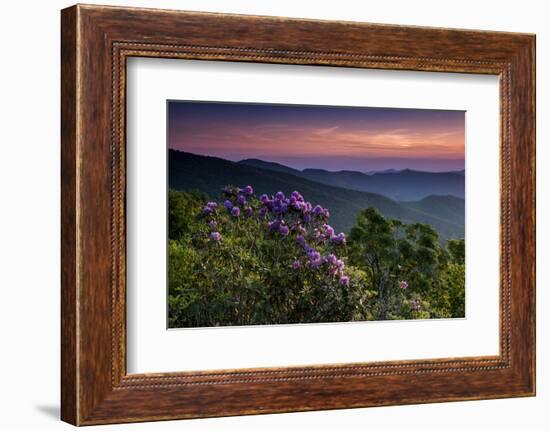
263	214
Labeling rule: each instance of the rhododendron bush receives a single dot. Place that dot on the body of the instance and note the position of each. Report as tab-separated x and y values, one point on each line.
273	259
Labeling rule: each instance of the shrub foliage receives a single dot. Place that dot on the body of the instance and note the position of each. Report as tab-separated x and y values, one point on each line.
247	260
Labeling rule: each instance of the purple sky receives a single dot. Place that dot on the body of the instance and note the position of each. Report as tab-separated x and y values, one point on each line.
328	137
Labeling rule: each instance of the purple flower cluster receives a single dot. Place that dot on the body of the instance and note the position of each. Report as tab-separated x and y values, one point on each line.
298	212
338	239
284	230
403	285
279	204
415	304
215	236
294	216
237	199
315	259
210	208
287	217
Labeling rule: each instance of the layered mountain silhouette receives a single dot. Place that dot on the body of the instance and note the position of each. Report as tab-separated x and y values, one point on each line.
404	185
210	174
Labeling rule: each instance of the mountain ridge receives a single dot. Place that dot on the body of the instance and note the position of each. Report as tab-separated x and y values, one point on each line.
186	172
402	185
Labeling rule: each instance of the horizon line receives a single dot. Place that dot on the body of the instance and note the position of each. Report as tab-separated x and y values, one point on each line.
322	169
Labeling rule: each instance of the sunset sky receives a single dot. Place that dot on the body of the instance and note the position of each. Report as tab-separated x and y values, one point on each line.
327	137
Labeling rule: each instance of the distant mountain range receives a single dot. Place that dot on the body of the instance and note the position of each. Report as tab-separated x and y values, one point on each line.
385	171
404	185
210	174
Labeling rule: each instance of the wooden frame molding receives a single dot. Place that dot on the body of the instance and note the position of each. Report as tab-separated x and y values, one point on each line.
95	43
